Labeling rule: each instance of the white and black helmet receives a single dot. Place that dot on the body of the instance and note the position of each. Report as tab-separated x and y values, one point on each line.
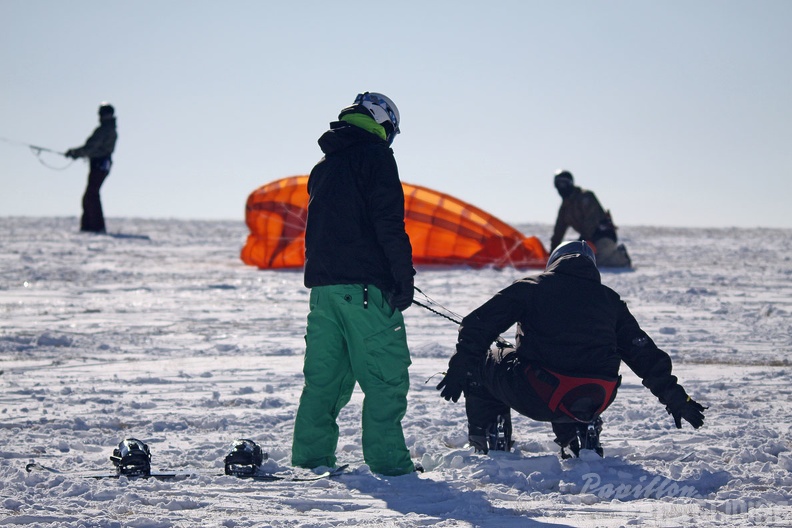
381	109
573	247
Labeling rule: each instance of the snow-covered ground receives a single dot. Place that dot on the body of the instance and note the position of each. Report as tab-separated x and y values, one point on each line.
159	332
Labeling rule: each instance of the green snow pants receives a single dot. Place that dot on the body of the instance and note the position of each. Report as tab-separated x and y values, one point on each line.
347	342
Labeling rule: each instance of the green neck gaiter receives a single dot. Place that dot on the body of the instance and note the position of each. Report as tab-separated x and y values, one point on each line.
366	123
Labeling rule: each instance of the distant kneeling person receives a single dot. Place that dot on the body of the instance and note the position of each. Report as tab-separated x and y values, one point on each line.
573	332
581	210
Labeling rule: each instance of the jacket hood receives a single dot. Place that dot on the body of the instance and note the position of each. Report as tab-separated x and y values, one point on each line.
576	266
343	135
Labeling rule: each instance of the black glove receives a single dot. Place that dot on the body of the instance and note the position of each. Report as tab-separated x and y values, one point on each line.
70	154
680	405
456	379
402	298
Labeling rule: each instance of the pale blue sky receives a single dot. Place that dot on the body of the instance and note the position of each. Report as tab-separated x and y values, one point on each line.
676	113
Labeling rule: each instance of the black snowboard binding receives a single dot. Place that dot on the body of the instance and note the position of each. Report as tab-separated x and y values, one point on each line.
132	458
245	458
496	437
579	436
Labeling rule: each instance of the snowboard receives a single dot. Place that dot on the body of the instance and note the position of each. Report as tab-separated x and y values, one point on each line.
167	475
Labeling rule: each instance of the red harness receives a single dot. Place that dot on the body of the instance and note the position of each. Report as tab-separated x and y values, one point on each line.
582	399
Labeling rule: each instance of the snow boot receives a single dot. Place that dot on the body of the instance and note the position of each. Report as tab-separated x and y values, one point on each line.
478	441
589	436
623	250
577	436
495	437
567	438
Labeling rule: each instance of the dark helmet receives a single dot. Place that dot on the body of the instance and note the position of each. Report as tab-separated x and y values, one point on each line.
380	108
562	174
106	110
573	247
564	182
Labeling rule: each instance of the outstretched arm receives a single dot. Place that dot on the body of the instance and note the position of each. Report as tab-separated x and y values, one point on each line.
101	143
476	333
653	366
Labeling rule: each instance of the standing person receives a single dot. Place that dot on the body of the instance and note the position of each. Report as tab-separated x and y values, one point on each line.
359	268
581	210
99	148
573	332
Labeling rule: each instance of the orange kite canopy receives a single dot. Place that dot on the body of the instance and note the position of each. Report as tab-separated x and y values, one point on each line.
443	230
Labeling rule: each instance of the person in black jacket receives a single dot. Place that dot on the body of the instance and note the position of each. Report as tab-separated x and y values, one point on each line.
573	332
358	265
99	149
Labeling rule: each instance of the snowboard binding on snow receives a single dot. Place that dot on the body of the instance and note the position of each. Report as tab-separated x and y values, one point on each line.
583	436
132	458
245	458
500	435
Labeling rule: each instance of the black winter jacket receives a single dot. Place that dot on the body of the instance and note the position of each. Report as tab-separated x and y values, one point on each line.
101	143
355	227
568	321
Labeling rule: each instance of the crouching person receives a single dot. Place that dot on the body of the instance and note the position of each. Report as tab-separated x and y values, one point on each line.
573	332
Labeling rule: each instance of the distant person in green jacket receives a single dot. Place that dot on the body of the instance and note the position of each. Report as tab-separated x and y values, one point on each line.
581	211
99	149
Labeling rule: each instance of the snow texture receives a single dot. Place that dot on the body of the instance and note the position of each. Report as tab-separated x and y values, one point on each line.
159	332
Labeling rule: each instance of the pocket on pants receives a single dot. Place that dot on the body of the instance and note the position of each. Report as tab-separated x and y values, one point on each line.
387	355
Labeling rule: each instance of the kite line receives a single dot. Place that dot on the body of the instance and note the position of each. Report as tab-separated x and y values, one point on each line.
36	150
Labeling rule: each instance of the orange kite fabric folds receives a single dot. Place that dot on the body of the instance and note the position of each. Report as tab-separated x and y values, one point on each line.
443	230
